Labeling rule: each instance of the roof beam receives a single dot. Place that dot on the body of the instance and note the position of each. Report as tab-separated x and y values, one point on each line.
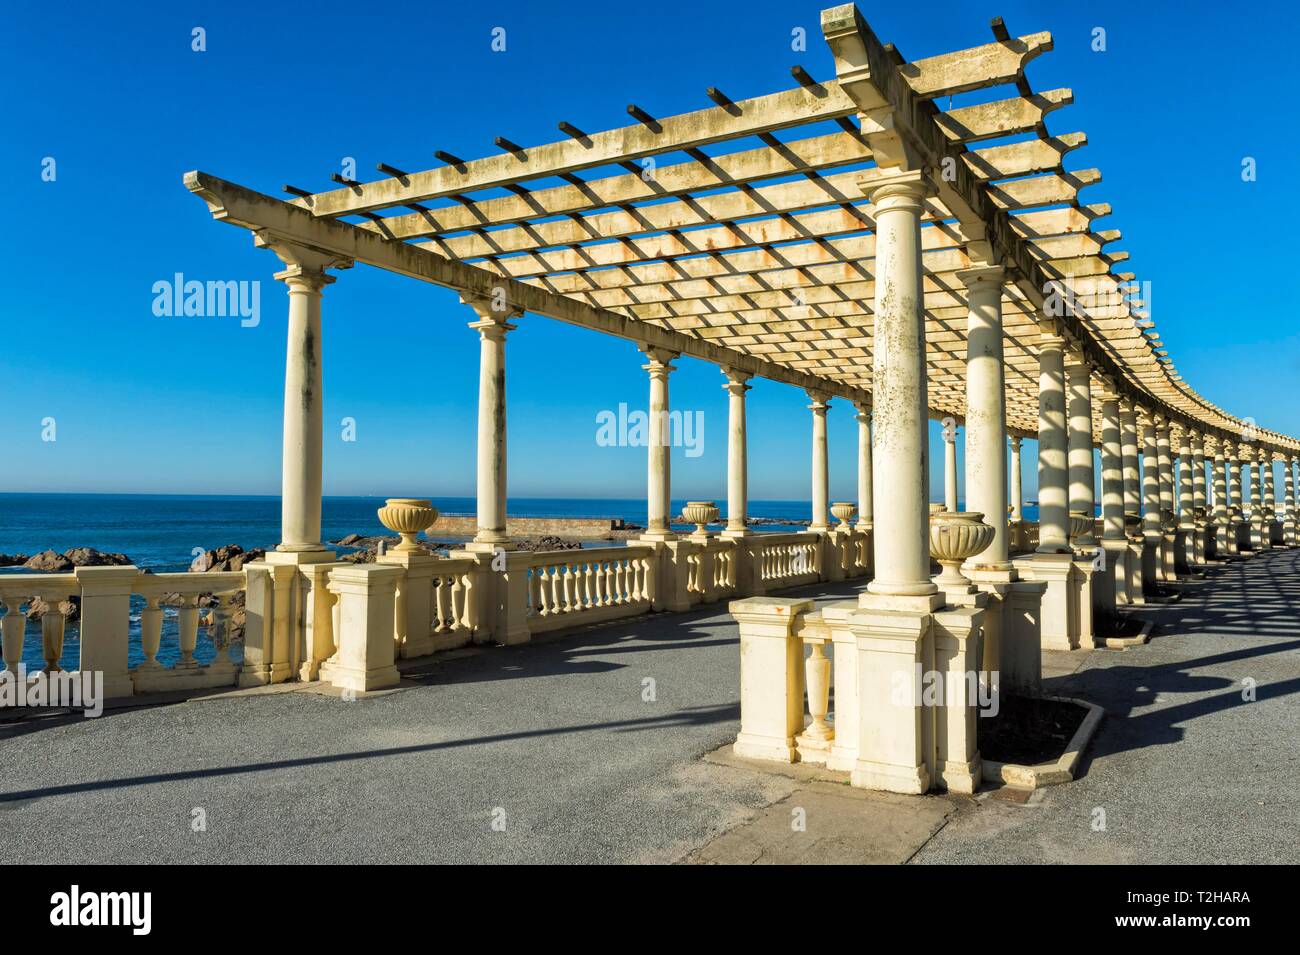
763	114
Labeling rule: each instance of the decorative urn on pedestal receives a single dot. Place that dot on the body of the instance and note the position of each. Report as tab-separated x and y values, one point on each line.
701	514
1080	524
954	537
844	511
408	516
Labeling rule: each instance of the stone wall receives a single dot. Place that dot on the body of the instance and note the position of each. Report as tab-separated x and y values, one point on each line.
588	528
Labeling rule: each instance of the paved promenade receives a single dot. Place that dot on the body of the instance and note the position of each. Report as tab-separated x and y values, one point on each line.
562	751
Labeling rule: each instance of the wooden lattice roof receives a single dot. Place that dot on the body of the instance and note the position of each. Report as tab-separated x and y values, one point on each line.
740	233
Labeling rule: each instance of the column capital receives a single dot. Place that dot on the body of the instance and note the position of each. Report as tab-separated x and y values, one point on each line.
492	308
1051	332
821	401
736	380
982	276
659	360
896	189
304	267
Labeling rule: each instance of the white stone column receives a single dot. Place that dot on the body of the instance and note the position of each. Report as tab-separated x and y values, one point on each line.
301	477
1164	461
986	419
865	503
658	479
493	325
1129	448
1017	482
1114	539
1183	472
900	476
949	437
1150	490
1053	473
1288	487
737	453
1079	408
821	489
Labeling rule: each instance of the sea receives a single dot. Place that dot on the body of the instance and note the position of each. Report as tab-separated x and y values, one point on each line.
164	533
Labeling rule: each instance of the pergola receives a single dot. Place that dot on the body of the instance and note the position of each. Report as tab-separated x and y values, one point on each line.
742	233
853	238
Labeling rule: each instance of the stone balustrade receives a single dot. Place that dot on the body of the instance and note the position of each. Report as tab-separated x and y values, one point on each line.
106	596
575	587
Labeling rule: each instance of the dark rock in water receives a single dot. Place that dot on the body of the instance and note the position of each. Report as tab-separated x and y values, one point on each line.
50	561
53	561
13	560
225	559
352	540
70	608
89	557
548	542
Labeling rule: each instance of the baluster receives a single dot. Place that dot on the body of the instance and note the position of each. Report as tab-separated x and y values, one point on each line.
151	630
14	627
457	601
187	626
221	628
554	605
471	606
587	574
621	581
443	607
52	626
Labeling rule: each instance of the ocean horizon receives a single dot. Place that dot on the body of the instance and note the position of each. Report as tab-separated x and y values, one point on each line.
164	532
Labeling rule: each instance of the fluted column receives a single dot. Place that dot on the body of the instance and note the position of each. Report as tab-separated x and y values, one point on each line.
1220	477
1164	462
986	416
1017	481
1116	585
950	469
1053	443
901	473
737	453
1236	481
820	470
1183	472
1112	476
303	437
493	325
659	477
1288	488
1131	465
1079	409
1199	483
865	505
1150	478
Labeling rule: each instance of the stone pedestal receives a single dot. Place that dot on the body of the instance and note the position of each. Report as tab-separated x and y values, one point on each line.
771	677
366	644
105	625
1084	586
275	640
956	662
1059	620
895	646
412	603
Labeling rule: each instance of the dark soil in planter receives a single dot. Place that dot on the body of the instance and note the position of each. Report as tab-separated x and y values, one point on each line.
1124	626
1028	731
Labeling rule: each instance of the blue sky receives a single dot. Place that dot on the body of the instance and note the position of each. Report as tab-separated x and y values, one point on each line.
284	92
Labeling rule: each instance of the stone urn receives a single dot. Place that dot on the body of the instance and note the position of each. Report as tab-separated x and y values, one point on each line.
936	509
1133	526
408	516
700	513
954	537
1080	524
844	511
